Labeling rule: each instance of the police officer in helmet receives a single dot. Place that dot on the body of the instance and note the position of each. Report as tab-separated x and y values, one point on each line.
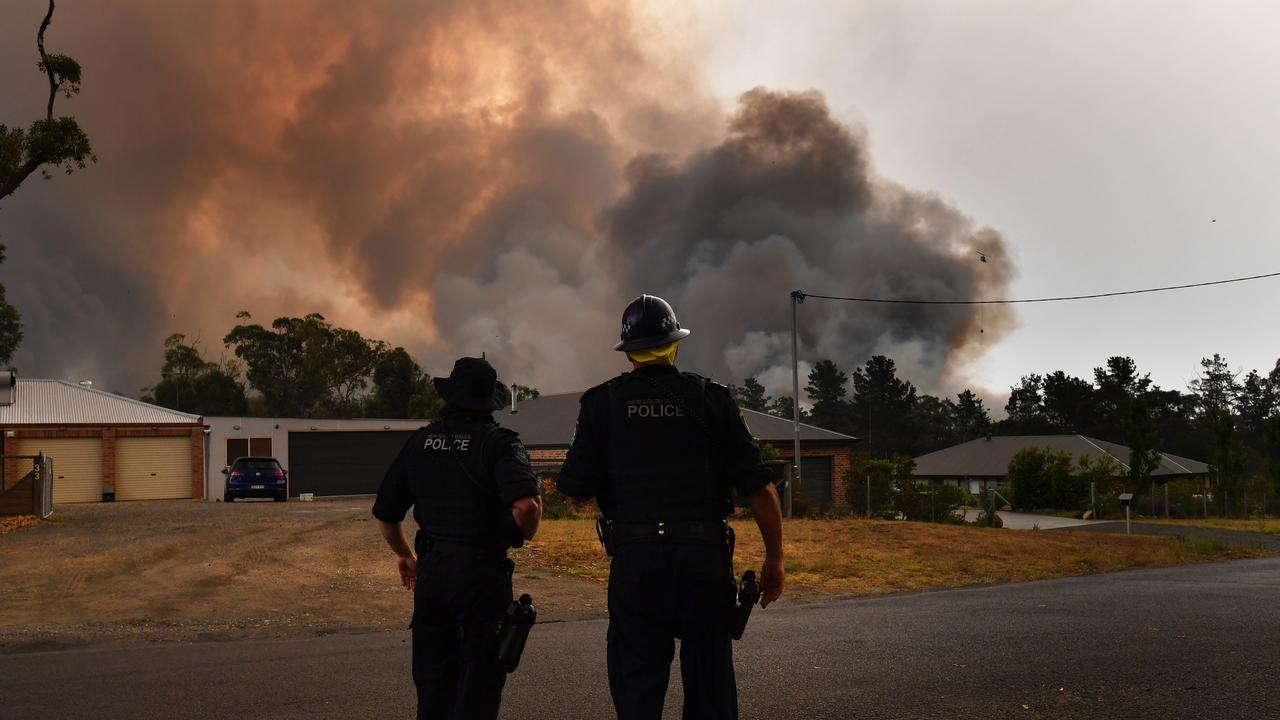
662	451
473	496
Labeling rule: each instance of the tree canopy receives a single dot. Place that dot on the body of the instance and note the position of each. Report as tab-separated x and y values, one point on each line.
10	325
48	141
1227	418
401	389
751	395
297	367
305	367
191	384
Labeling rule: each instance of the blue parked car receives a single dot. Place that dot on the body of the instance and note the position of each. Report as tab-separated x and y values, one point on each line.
256	477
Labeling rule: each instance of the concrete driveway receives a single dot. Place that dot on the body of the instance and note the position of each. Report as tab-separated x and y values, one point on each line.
1031	521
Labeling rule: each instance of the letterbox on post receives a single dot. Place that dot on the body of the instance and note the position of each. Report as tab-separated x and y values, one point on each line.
1126	499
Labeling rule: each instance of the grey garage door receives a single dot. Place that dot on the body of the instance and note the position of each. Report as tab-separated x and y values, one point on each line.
341	463
815	477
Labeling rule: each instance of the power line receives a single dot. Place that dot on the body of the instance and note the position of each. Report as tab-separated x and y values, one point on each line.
803	295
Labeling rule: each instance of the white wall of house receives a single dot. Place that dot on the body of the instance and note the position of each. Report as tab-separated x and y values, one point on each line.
221	429
973	486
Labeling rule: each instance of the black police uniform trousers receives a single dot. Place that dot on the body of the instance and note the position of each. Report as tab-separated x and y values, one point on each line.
459	600
660	591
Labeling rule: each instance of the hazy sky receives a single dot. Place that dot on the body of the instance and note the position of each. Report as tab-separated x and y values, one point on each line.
297	156
1101	138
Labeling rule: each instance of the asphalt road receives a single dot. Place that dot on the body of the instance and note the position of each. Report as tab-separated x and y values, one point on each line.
1219	535
1188	642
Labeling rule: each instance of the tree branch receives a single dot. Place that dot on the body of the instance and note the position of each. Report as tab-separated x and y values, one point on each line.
48	70
11	183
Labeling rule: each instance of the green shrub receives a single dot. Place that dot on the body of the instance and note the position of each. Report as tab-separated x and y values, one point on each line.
864	470
896	495
555	504
1040	478
933	502
1044	479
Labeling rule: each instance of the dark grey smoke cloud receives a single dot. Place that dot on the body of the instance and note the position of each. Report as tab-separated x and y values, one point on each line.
788	201
458	178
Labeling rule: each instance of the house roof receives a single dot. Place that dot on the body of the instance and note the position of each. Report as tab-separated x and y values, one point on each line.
989	457
549	421
58	402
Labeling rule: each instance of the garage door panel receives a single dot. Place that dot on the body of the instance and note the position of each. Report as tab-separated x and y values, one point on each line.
77	466
341	463
815	479
153	468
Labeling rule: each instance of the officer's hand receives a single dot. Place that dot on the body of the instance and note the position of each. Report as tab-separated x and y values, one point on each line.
772	578
408	567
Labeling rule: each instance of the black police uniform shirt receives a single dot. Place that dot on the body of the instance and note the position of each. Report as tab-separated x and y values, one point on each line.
460	475
670	452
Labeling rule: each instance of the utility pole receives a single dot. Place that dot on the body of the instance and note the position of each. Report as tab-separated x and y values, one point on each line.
797	298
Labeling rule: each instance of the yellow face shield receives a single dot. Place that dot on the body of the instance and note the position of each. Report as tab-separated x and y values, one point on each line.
661	355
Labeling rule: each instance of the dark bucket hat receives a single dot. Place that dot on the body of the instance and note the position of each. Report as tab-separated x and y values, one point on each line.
473	385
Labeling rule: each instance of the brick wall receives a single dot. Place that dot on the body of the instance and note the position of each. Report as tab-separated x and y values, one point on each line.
547	456
840	454
109	460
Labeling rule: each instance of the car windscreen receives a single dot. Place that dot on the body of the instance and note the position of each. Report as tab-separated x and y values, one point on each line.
257	465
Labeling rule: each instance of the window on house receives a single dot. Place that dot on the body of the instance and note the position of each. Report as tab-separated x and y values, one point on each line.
260	447
236	448
247	447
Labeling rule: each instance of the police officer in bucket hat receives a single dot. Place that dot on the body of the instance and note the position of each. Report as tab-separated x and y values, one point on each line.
662	451
474	495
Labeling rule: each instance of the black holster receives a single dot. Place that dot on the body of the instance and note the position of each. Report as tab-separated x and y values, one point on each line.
513	632
604	531
748	596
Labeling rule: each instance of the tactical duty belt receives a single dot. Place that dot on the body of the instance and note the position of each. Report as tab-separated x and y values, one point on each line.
452	547
695	531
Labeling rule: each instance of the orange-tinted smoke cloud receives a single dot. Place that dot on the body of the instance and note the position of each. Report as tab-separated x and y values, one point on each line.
456	177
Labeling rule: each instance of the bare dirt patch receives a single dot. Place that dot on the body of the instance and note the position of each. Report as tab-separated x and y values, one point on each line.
186	570
190	570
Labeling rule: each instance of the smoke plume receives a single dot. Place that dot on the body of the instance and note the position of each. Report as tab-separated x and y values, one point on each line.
461	177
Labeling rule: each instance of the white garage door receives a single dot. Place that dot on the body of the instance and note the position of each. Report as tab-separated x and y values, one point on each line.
77	466
153	468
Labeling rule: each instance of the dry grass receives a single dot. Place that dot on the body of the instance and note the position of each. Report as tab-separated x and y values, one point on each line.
1269	526
14	523
187	570
852	556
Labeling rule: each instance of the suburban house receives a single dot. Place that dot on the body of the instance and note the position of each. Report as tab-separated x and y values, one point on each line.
323	457
986	460
104	447
349	457
546	425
